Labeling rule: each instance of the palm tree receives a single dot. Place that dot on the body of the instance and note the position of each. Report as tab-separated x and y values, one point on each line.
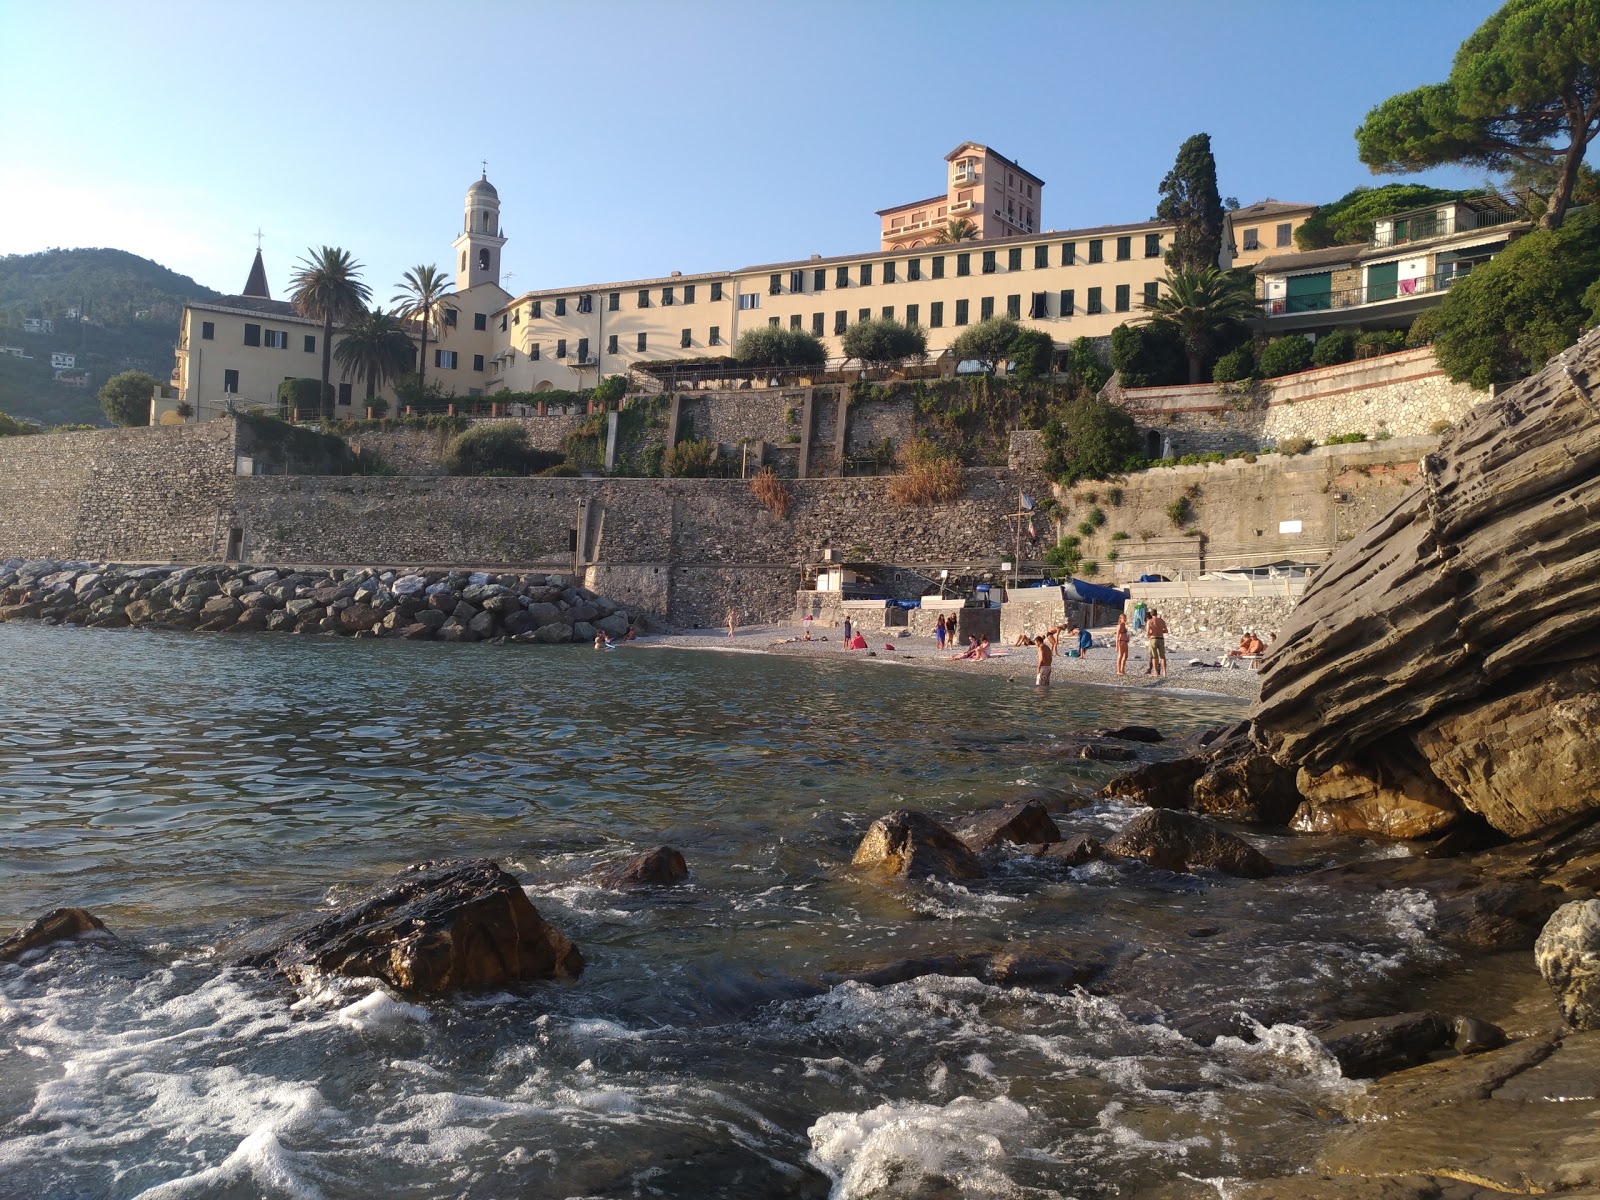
375	348
326	288
959	229
422	298
1200	305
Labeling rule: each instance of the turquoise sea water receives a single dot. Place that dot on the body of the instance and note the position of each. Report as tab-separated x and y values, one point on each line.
183	786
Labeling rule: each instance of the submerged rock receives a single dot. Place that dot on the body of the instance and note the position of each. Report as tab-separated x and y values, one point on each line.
1568	955
433	928
1071	852
911	845
1024	822
1167	784
1378	1045
661	867
1180	842
57	925
1131	733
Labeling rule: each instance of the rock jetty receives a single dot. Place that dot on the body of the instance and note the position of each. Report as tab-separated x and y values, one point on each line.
441	605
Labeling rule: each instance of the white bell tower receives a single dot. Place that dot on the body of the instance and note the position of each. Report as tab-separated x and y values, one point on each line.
478	245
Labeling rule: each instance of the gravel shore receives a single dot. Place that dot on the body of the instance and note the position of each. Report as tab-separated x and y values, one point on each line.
1010	663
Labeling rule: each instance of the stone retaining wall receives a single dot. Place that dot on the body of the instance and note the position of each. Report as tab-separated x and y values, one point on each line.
421	451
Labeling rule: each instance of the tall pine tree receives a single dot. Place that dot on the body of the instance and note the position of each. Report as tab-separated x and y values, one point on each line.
1189	199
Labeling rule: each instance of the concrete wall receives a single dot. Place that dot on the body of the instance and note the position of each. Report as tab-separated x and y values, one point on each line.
1403	395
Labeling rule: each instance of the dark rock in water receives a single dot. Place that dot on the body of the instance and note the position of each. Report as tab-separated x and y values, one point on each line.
1568	955
1103	752
431	929
1473	1036
1071	852
517	622
1240	783
1379	1045
1131	733
912	845
1157	785
660	867
58	925
1022	823
415	633
1180	842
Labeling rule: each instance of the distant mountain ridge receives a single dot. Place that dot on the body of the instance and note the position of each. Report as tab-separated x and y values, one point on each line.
108	309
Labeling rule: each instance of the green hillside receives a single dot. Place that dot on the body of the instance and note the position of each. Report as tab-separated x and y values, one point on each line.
113	311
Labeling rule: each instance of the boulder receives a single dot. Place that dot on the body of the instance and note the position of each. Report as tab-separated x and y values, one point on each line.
416	633
1167	784
1388	795
301	606
483	625
432	618
456	630
582	631
464	612
1568	956
1240	783
1130	733
661	867
1378	1045
432	929
541	615
1027	822
517	622
1073	851
1177	841
279	621
1472	1036
409	585
252	620
553	634
358	616
616	624
57	925
1101	752
909	844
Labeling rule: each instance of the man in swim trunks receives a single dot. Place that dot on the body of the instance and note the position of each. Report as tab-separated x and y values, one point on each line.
1042	679
1156	630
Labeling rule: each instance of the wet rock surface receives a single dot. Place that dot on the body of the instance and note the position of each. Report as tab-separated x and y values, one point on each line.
1181	842
908	844
1021	823
1568	955
660	867
58	925
1378	1045
432	929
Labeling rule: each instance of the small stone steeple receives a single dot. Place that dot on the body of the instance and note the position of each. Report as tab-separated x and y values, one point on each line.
256	285
478	244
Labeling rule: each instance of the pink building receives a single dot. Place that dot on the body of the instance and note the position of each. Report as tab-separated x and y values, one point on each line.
981	186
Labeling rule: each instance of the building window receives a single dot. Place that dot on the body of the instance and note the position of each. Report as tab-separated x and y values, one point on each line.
1123	297
1041	256
1152	245
583	350
863	314
775	284
445	359
961	312
750	300
963	264
819	279
1094	306
480	320
666	297
1097	250
773	322
841	277
537	312
794	321
866	274
988	262
841	321
311	343
1124	249
561	347
888	272
1069	253
1285	235
685	340
644	297
937	263
1014	307
688	293
252	335
276	339
208	331
911	314
936	314
450	318
714	338
985	308
913	269
477	362
533	351
1038	306
561	306
716	291
344	393
614	301
888	312
797	282
816	323
1066	302
1014	259
1252	239
230	382
586	304
1151	294
611	344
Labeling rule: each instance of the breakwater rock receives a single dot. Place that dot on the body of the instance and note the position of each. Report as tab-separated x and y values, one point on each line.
441	605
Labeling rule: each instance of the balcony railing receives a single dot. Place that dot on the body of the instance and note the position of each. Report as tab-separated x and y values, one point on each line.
1424	227
1342	298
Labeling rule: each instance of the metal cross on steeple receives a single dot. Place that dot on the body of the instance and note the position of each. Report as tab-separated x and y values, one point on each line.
485	163
258	237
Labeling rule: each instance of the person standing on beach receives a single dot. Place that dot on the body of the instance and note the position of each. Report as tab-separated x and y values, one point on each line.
938	632
733	620
1156	630
1085	640
847	631
1042	679
1139	616
1122	640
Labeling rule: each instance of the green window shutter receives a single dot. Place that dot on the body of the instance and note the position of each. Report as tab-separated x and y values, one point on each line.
1383	281
1309	293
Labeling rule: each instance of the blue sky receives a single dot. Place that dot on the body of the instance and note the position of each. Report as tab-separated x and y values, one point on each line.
632	139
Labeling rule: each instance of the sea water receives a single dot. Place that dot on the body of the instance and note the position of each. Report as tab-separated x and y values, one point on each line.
183	787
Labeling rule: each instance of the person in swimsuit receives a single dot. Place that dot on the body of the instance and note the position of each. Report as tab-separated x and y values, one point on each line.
1156	630
1042	679
1122	640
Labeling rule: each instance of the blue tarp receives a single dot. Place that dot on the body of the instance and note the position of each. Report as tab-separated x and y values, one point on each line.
1093	593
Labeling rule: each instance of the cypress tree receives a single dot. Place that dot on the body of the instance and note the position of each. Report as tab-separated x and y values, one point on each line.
1189	199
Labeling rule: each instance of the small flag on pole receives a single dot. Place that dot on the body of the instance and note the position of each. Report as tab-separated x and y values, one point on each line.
1027	501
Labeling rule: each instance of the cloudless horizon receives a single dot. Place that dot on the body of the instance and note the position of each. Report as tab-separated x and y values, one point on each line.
631	139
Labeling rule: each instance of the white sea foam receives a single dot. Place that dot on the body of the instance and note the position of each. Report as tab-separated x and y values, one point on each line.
952	902
379	1010
893	1149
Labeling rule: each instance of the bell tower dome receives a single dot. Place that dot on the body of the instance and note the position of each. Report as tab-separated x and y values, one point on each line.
478	244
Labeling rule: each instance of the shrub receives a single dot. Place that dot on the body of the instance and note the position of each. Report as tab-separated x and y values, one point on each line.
771	492
1097	517
126	397
1295	445
1064	555
1111	555
1086	528
1087	372
1441	427
1090	568
879	344
1120	535
498	449
692	458
1089	439
1382	435
1334	348
987	342
767	346
929	474
563	470
1285	356
1178	512
1114	497
1382	341
11	427
302	394
1033	355
1346	439
1236	365
1422	329
1149	355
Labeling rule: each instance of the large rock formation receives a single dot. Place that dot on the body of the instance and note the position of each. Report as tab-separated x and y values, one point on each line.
431	929
1568	954
1462	624
912	845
